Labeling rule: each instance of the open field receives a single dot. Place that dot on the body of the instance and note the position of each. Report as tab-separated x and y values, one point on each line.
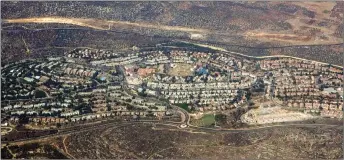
307	23
253	28
277	37
205	121
161	142
273	115
181	69
291	23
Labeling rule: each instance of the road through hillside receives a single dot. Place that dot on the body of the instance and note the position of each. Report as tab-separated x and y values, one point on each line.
101	24
197	33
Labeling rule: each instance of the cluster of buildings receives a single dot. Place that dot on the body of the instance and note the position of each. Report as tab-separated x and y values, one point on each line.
207	87
17	79
72	92
312	86
58	90
90	54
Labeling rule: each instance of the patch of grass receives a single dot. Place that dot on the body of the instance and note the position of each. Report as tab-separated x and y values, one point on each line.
326	11
207	120
184	106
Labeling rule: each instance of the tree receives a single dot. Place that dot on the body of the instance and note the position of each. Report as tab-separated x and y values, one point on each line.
75	88
221	118
40	94
130	107
191	96
80	86
80	100
326	11
322	87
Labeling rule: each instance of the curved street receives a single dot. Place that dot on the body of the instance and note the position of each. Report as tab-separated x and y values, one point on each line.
185	117
76	129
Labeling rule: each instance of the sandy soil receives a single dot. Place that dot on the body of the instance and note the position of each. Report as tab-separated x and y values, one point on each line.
273	115
301	33
99	24
276	36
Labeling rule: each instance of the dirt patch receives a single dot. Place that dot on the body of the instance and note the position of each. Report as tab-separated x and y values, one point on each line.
184	5
273	115
304	28
73	21
181	69
281	37
100	24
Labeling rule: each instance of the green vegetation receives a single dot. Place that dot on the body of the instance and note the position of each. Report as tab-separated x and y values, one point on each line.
221	118
184	106
40	94
326	11
142	94
142	65
206	121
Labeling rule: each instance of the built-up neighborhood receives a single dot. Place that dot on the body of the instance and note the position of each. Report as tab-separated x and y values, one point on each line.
88	84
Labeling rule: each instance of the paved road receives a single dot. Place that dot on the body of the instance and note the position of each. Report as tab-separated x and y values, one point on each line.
184	114
176	124
3	132
263	127
186	121
256	57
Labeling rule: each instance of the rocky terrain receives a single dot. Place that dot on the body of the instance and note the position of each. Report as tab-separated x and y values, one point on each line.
309	30
254	28
146	141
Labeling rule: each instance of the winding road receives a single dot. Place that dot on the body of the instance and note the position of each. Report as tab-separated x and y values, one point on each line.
186	120
184	114
76	129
